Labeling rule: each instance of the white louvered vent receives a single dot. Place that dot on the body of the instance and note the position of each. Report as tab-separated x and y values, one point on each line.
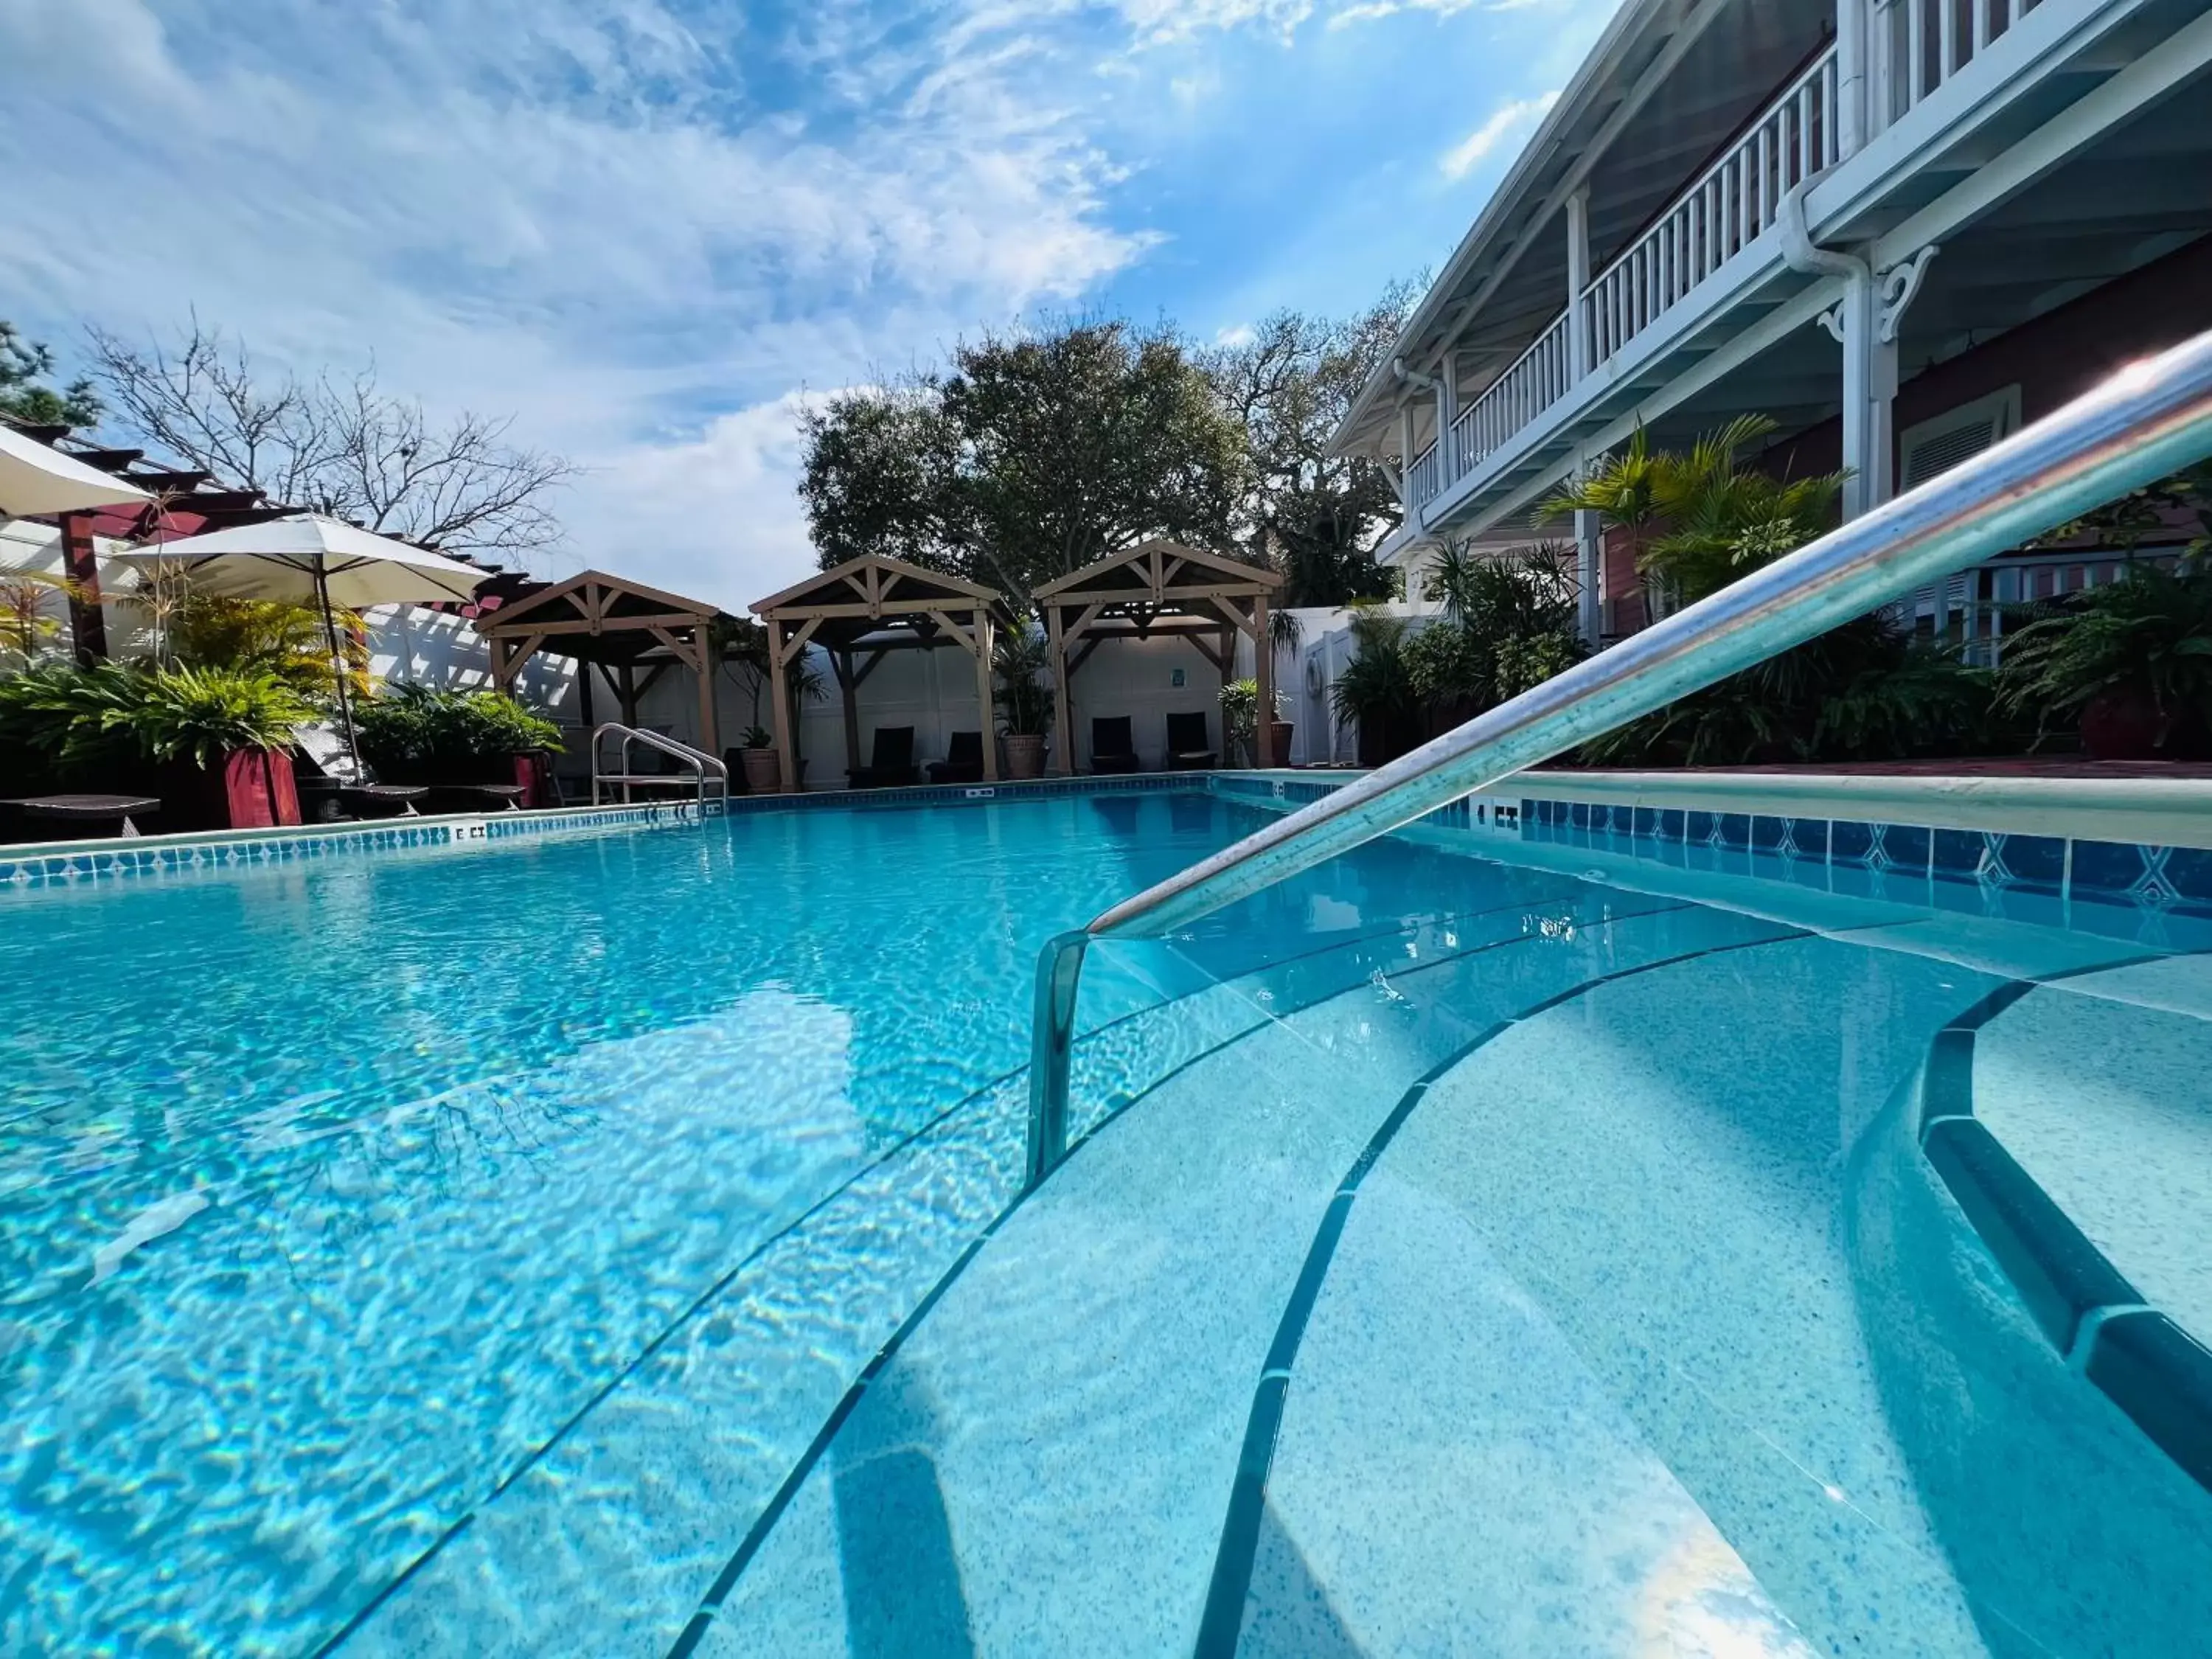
1934	447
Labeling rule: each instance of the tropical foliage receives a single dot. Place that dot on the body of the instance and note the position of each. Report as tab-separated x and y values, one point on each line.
268	636
26	620
1024	698
1509	623
1376	687
413	734
78	721
2148	637
1702	518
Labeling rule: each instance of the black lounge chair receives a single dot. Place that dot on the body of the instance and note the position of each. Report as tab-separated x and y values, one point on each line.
1112	747
329	790
65	816
962	761
891	763
1186	749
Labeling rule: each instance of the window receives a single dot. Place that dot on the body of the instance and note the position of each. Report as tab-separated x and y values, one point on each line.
1935	446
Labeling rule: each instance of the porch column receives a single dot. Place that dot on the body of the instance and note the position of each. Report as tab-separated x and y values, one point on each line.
710	735
1263	672
81	564
779	698
1854	45
1578	275
1063	753
1406	461
1447	467
1869	391
1589	568
986	644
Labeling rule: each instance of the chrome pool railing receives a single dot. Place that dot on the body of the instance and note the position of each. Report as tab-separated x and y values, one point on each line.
2147	421
703	768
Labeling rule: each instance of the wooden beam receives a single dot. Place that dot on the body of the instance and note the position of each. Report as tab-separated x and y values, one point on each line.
848	687
954	628
779	698
710	724
626	693
619	625
981	623
1084	655
789	650
1063	755
1263	670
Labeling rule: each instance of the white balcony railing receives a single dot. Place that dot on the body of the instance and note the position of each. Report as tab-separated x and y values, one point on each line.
1536	379
1422	478
1731	203
1921	44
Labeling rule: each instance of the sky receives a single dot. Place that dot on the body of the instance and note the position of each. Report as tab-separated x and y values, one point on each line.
653	231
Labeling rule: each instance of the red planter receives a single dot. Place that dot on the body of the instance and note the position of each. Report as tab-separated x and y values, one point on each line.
535	774
247	789
2121	726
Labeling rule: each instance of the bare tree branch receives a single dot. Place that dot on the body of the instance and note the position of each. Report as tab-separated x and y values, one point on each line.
343	448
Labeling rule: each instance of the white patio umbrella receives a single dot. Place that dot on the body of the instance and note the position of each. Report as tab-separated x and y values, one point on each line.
306	558
36	478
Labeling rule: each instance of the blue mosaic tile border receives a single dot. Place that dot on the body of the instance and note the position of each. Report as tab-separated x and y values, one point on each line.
2155	894
2158	896
30	868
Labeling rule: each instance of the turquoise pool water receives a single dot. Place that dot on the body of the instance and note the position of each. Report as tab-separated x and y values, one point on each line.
477	1251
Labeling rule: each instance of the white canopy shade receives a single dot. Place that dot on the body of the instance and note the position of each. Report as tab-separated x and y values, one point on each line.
36	477
310	559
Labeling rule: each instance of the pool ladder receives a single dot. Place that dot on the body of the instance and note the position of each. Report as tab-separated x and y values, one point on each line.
703	767
2147	422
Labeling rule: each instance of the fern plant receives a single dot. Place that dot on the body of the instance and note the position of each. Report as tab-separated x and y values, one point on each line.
2149	635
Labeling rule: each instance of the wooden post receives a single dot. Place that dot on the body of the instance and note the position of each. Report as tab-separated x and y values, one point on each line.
848	691
779	695
981	633
584	696
1063	713
626	691
710	735
81	564
1263	670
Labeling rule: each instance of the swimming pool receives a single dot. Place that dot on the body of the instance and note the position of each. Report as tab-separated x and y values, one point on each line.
1481	1247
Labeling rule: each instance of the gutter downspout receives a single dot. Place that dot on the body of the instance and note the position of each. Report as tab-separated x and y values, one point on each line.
1869	365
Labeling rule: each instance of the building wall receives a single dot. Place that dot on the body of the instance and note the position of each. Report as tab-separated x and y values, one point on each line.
2053	360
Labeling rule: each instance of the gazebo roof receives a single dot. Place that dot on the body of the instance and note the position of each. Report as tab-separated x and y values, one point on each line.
863	598
597	617
1161	574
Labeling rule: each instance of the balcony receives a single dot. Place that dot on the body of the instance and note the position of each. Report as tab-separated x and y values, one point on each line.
1715	232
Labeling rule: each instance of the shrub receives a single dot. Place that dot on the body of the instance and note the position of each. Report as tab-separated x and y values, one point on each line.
83	720
2147	635
413	733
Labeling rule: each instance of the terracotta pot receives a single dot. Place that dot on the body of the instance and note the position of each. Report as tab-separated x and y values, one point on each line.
2120	725
534	772
1025	755
763	771
1279	734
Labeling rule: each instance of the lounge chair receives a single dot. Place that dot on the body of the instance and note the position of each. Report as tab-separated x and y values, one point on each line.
962	761
65	816
891	763
1112	747
1186	747
330	788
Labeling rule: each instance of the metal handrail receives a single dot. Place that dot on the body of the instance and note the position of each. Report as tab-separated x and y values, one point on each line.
698	762
2147	422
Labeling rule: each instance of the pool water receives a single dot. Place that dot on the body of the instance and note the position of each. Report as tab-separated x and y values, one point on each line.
477	1250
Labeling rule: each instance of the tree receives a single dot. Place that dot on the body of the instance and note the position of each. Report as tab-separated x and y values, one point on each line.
1038	453
345	448
24	367
1314	515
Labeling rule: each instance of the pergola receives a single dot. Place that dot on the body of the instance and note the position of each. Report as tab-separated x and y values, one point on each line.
620	626
1160	587
860	611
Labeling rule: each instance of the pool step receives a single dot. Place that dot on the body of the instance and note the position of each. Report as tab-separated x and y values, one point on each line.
1065	1426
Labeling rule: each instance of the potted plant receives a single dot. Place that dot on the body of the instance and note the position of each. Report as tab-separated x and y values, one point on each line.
763	766
211	744
1376	687
1240	709
2129	665
1025	703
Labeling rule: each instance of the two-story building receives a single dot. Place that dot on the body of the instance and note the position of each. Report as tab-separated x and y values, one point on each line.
1902	228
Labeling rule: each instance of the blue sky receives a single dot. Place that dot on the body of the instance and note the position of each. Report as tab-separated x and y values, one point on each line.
651	229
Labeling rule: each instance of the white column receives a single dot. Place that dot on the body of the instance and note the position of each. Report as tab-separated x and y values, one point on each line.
1406	460
1869	392
1578	275
1447	415
1854	44
1589	567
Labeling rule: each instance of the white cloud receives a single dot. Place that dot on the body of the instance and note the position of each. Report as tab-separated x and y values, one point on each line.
572	210
1506	121
1242	334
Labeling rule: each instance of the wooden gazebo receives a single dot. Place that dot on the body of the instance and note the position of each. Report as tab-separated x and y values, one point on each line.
1160	587
860	611
634	633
